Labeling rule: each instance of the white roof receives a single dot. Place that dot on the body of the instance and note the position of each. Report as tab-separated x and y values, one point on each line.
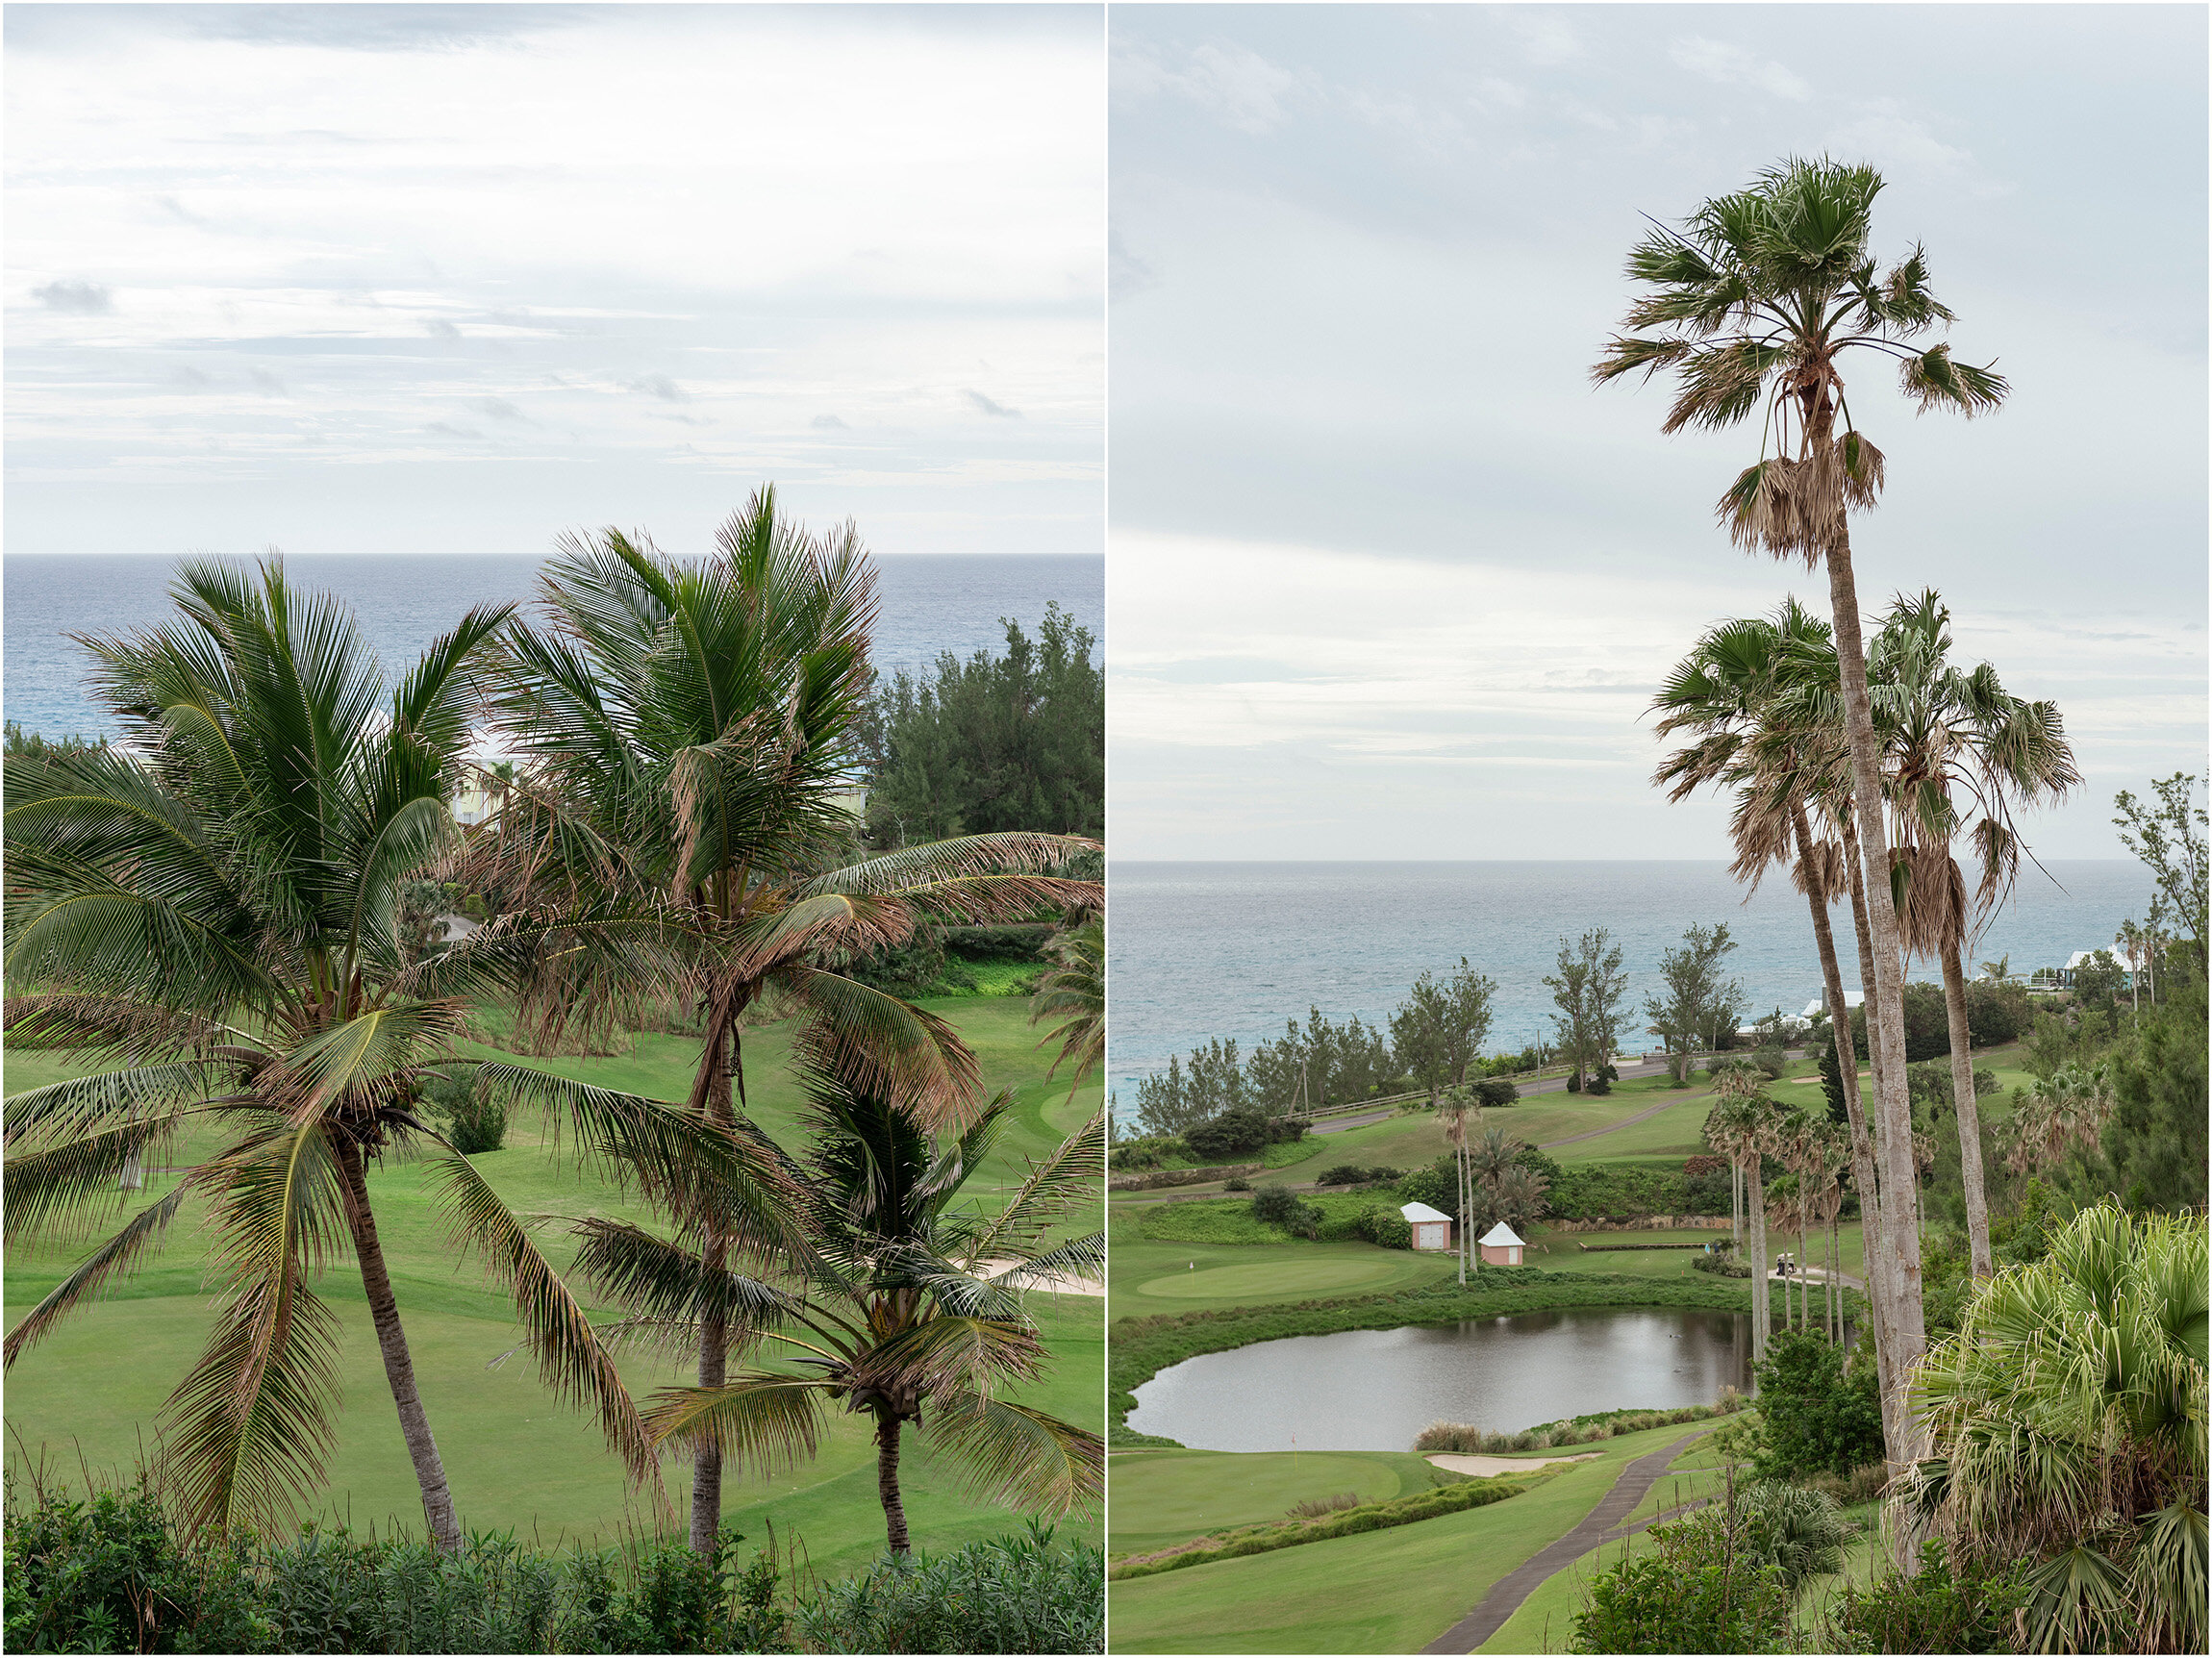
1422	1212
1818	1004
1498	1237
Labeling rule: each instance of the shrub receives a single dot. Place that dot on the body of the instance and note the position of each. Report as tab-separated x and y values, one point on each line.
1997	1013
1797	1531
1344	1174
1934	1610
1234	1133
1493	1092
1822	1415
1382	1173
474	1124
1236	1183
1387	1229
1437	1186
1770	1060
1342	1229
1006	1594
1313	1507
1277	1205
1690	1596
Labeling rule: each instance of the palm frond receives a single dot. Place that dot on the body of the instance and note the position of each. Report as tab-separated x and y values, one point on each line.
761	1421
1019	1457
117	1258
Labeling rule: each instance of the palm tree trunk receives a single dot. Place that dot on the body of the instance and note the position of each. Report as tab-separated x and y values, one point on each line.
1873	1258
1899	1284
1755	1202
398	1363
714	1084
887	1431
1968	1114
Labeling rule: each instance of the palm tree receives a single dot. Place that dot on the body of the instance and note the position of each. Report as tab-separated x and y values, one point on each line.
905	1302
2000	971
1754	303
2058	1113
2067	1418
687	734
1075	993
213	906
2131	941
1742	692
1453	1107
1741	1127
1946	733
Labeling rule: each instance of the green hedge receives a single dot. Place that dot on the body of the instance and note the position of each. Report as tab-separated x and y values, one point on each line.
1345	1523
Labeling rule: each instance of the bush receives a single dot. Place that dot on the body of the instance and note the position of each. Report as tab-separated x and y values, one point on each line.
1770	1060
1437	1186
1379	1173
1691	1596
1277	1205
1006	1594
474	1124
1344	1174
1493	1092
1387	1229
1236	1183
1996	1014
1238	1132
1148	1153
1602	1079
1822	1415
1935	1610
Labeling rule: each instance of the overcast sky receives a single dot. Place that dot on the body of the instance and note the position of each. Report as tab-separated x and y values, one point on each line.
372	279
1389	579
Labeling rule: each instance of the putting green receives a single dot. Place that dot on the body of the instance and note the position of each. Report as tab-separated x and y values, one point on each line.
1222	1282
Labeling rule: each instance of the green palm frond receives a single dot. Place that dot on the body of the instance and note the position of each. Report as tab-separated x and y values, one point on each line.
117	1258
941	863
354	1062
570	1360
951	1353
665	1283
763	1421
249	1426
875	1042
1934	380
1018	1456
52	1194
63	1109
1068	1175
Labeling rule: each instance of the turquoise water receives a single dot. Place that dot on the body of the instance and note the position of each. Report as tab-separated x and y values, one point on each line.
1203	951
930	604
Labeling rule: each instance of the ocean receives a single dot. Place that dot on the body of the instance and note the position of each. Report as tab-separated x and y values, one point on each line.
930	603
1205	950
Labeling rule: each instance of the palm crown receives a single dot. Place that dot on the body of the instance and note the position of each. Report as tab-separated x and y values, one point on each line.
1755	301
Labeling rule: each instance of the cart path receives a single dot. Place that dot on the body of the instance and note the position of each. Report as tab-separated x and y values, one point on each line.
1598	1527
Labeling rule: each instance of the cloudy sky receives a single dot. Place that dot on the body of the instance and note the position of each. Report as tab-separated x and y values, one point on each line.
372	279
1389	579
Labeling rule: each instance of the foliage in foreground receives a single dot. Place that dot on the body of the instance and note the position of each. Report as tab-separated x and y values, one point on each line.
2068	1421
108	1574
1822	1412
1936	1608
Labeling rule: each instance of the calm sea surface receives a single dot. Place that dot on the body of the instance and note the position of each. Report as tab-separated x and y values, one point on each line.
1203	951
930	604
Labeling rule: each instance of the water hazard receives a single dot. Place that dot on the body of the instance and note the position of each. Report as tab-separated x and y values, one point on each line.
1374	1390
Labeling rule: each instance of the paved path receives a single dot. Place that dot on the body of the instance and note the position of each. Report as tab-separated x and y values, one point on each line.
1597	1526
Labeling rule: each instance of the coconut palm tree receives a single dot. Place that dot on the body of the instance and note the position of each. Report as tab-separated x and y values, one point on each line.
1753	304
1075	993
908	1303
688	737
2067	1422
211	907
1947	734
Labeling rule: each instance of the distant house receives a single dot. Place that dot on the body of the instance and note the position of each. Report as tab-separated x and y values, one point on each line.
1501	1247
2081	959
1819	1005
1430	1230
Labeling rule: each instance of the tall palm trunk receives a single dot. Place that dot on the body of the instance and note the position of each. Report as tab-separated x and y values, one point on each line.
887	1431
712	1088
1847	1051
398	1363
1898	1284
1755	1202
1969	1112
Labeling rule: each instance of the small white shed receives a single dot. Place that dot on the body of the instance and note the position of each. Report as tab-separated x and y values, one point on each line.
1501	1247
1430	1230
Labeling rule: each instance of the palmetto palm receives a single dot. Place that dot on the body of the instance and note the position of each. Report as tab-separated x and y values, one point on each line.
1947	734
214	906
2068	1417
1753	304
688	733
908	1304
1075	993
2058	1113
1739	692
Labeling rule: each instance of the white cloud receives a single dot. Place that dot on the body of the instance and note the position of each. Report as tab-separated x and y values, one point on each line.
1733	65
1233	83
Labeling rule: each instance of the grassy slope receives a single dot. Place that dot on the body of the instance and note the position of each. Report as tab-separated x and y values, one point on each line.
1163	1497
516	1456
1388	1591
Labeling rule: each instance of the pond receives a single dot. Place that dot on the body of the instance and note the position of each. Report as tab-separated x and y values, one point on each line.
1376	1390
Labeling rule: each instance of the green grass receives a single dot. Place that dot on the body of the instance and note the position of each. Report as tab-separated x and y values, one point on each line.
1164	1497
515	1455
1388	1591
